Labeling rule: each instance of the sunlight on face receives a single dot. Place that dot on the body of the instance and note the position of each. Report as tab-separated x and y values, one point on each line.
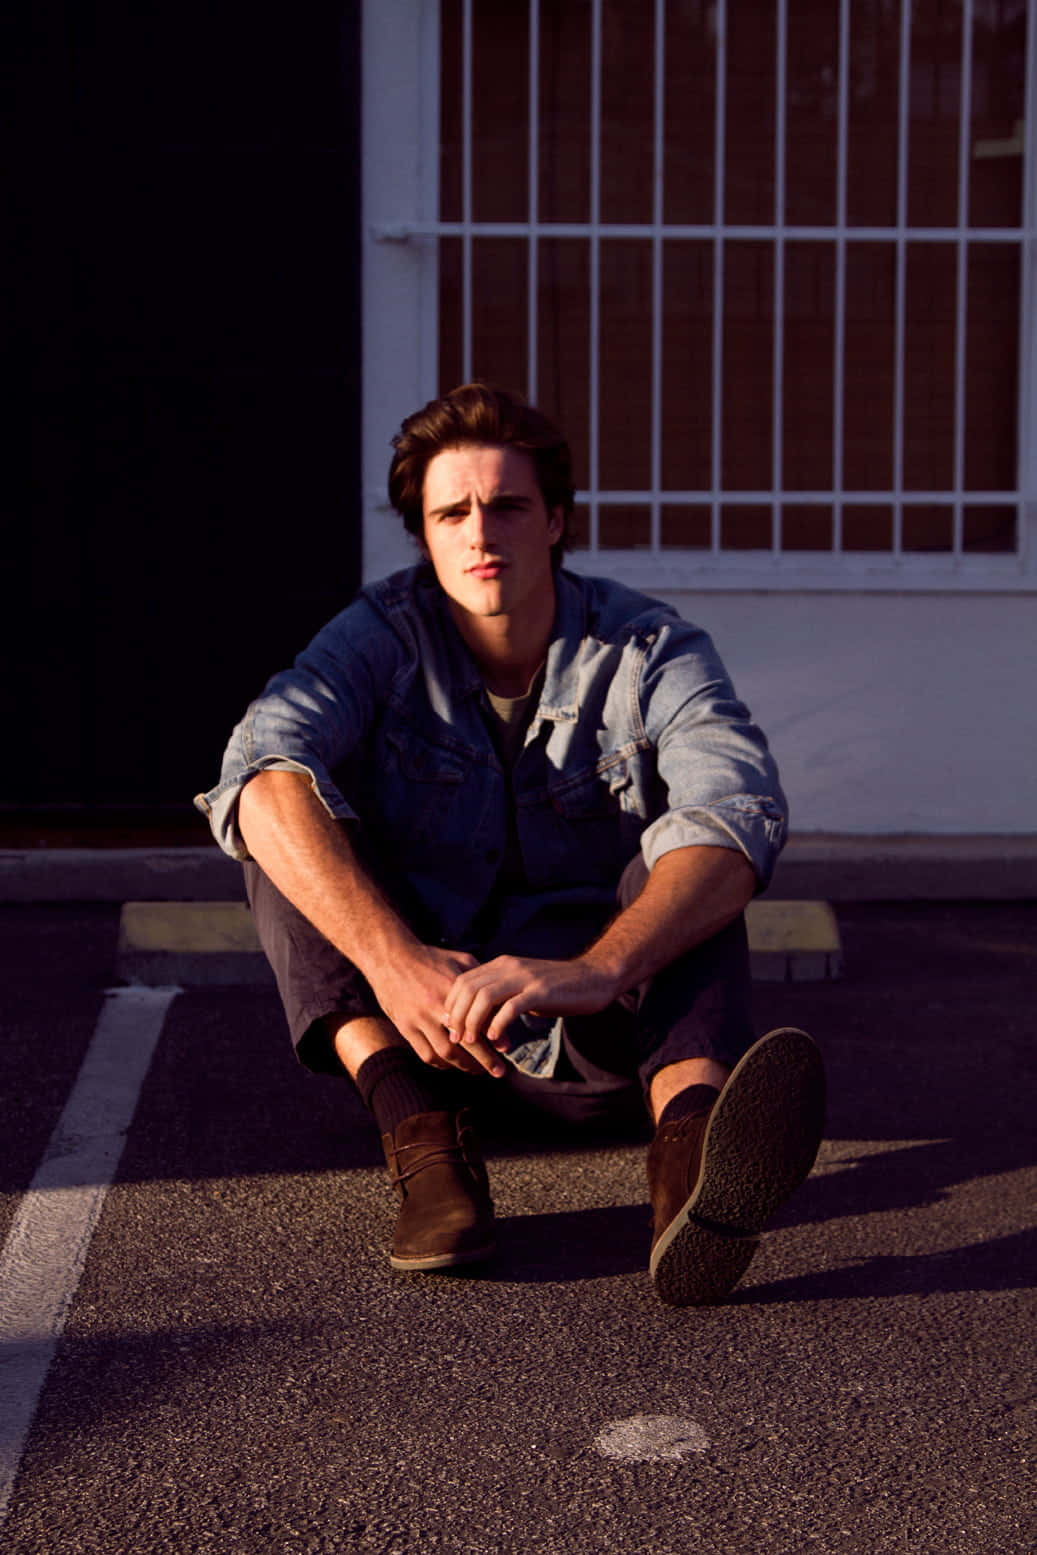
487	531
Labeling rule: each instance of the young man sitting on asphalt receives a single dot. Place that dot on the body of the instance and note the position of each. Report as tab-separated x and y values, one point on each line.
501	820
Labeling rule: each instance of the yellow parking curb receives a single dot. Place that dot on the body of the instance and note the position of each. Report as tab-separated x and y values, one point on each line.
793	941
176	927
189	943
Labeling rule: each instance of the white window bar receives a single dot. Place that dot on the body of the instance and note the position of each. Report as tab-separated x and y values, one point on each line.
900	325
839	302
961	320
778	307
658	213
532	249
390	233
719	170
466	192
762	498
594	395
1027	441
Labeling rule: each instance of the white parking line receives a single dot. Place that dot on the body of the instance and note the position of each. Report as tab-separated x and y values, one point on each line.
43	1257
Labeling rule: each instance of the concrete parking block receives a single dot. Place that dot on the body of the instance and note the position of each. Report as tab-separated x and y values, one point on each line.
190	943
793	942
209	943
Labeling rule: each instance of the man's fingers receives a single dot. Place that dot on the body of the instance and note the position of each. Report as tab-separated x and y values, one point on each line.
464	989
472	1000
460	1059
471	1057
487	1057
424	1050
493	1010
510	1010
479	1014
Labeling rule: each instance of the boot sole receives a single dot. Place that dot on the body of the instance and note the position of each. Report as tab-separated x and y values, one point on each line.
760	1142
432	1261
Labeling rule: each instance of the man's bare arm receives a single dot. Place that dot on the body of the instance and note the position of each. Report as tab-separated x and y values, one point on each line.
309	858
691	894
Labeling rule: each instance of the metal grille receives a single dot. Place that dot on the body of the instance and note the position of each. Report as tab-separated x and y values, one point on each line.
888	337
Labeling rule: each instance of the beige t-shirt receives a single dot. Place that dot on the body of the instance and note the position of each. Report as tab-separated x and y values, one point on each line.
512	717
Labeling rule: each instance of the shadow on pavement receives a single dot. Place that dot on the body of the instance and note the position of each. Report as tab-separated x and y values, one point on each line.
1005	1263
905	1175
567	1245
597	1243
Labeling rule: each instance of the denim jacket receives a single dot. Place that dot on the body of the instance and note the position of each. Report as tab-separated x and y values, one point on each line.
638	741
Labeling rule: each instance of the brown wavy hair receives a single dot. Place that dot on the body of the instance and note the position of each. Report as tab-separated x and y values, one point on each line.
480	413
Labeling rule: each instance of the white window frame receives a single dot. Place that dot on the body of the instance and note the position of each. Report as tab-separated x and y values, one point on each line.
401	229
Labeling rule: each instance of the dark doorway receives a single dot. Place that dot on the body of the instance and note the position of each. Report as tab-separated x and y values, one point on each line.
191	382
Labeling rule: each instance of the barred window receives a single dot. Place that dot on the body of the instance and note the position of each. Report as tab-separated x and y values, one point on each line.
773	269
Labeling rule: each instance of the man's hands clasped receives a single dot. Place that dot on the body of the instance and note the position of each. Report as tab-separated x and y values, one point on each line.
484	1000
412	992
455	1011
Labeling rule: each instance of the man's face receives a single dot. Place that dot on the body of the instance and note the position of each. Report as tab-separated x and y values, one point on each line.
487	531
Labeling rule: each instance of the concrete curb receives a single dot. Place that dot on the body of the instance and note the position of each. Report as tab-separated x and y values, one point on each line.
119	875
917	868
202	944
818	867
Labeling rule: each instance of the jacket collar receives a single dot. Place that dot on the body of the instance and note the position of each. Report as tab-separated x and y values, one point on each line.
560	698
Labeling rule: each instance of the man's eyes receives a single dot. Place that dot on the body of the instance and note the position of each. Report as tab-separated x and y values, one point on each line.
505	505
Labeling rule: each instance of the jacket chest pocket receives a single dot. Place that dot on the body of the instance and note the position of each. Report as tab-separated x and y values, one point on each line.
419	762
594	824
592	799
611	792
421	788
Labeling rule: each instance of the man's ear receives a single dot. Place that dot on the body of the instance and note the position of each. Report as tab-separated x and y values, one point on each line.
555	524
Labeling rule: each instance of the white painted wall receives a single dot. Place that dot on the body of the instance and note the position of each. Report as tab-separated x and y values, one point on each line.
889	712
400	273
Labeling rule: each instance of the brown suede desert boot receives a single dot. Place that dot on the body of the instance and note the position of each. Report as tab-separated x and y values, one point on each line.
716	1178
446	1213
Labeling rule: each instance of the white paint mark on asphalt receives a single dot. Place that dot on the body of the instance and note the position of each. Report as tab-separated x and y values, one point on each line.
45	1252
651	1438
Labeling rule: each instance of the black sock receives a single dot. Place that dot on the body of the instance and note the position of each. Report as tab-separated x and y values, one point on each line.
395	1084
694	1100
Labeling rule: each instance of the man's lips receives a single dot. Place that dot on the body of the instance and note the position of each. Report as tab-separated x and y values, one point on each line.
486	569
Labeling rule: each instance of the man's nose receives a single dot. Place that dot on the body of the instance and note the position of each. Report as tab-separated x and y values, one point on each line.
480	523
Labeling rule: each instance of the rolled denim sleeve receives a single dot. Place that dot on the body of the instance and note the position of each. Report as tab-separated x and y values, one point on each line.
720	778
308	719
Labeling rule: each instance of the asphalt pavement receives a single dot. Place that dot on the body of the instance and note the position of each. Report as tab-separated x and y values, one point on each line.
239	1371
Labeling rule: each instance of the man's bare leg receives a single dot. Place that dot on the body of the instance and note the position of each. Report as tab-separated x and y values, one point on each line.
359	1038
668	1082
